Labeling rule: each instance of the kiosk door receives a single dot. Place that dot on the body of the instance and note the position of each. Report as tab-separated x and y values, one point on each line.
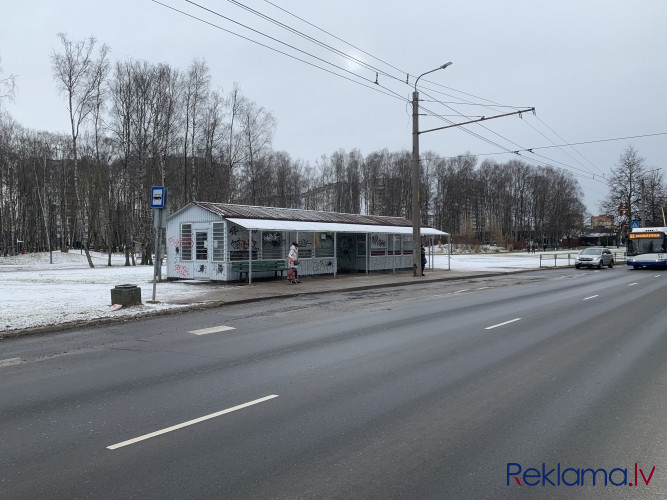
201	251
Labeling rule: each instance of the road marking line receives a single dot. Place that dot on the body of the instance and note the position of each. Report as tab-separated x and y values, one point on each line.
591	297
213	329
10	362
656	276
501	324
484	287
464	290
190	422
633	284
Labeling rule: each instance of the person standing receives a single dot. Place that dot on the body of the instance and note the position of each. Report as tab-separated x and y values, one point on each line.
423	259
294	260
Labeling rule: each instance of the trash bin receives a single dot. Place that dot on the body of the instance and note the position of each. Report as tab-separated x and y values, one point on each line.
126	295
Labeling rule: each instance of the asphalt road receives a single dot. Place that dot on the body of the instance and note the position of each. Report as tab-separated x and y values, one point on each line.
506	387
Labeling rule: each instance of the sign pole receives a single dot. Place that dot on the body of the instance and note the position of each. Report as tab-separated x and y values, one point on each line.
158	202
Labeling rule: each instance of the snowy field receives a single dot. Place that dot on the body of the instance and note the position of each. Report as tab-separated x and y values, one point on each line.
35	293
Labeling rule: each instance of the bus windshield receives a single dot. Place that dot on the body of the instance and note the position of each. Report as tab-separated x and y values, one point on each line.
646	245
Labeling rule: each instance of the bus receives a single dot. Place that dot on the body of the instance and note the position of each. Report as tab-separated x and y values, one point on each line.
647	247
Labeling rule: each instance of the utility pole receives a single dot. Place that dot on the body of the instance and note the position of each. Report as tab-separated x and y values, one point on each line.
416	207
416	212
643	206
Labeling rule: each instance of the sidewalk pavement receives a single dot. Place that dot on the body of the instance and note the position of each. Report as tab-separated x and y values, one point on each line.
211	294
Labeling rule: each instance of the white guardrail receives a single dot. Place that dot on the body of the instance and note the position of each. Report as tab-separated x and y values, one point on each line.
567	259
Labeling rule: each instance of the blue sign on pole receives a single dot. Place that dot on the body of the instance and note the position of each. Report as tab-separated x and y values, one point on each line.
635	223
158	197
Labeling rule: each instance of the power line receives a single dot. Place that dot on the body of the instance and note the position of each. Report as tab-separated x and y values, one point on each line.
309	38
334	36
601	140
377	86
280	51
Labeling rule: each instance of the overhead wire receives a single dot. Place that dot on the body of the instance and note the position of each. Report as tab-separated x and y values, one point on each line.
508	150
495	105
309	38
336	51
280	51
374	85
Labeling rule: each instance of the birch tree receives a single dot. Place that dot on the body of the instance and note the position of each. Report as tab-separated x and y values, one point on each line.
79	73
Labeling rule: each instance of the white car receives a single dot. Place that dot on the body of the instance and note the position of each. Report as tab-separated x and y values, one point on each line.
594	257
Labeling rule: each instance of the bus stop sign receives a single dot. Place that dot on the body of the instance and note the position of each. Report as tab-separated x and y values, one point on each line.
158	197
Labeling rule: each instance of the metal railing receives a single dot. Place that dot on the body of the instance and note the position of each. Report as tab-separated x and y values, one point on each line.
560	259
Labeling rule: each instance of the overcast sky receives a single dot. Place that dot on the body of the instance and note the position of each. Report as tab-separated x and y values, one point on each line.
594	70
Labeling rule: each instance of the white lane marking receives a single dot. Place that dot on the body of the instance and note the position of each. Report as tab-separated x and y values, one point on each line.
633	284
591	297
213	329
501	324
190	422
10	362
439	295
461	291
484	287
656	276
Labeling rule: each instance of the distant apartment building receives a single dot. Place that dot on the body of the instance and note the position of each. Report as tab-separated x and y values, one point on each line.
602	221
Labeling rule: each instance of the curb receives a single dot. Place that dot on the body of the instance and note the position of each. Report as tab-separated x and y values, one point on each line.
200	306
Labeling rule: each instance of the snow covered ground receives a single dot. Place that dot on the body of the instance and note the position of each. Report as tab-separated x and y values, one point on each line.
35	293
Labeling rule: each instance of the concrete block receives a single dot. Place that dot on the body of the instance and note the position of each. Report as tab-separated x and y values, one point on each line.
126	295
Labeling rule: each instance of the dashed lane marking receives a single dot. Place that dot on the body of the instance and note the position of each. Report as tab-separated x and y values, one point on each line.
10	362
502	324
213	329
189	422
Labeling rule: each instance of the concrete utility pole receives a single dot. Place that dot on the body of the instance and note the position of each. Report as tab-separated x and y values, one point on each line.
643	206
416	208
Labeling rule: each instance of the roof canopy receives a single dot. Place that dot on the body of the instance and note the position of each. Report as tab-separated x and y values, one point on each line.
331	227
290	219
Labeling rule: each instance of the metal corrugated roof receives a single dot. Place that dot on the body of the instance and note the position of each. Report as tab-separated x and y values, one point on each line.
252	217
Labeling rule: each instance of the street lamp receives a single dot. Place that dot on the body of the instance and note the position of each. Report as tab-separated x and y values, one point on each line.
416	215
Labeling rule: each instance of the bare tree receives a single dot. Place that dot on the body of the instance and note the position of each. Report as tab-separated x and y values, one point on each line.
625	187
258	126
7	88
79	76
195	97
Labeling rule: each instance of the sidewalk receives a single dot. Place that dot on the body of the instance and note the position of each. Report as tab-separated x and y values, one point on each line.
39	296
212	294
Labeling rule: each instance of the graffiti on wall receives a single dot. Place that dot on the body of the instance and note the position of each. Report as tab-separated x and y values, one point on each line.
345	248
182	271
242	244
305	243
322	266
275	239
377	241
179	242
221	271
